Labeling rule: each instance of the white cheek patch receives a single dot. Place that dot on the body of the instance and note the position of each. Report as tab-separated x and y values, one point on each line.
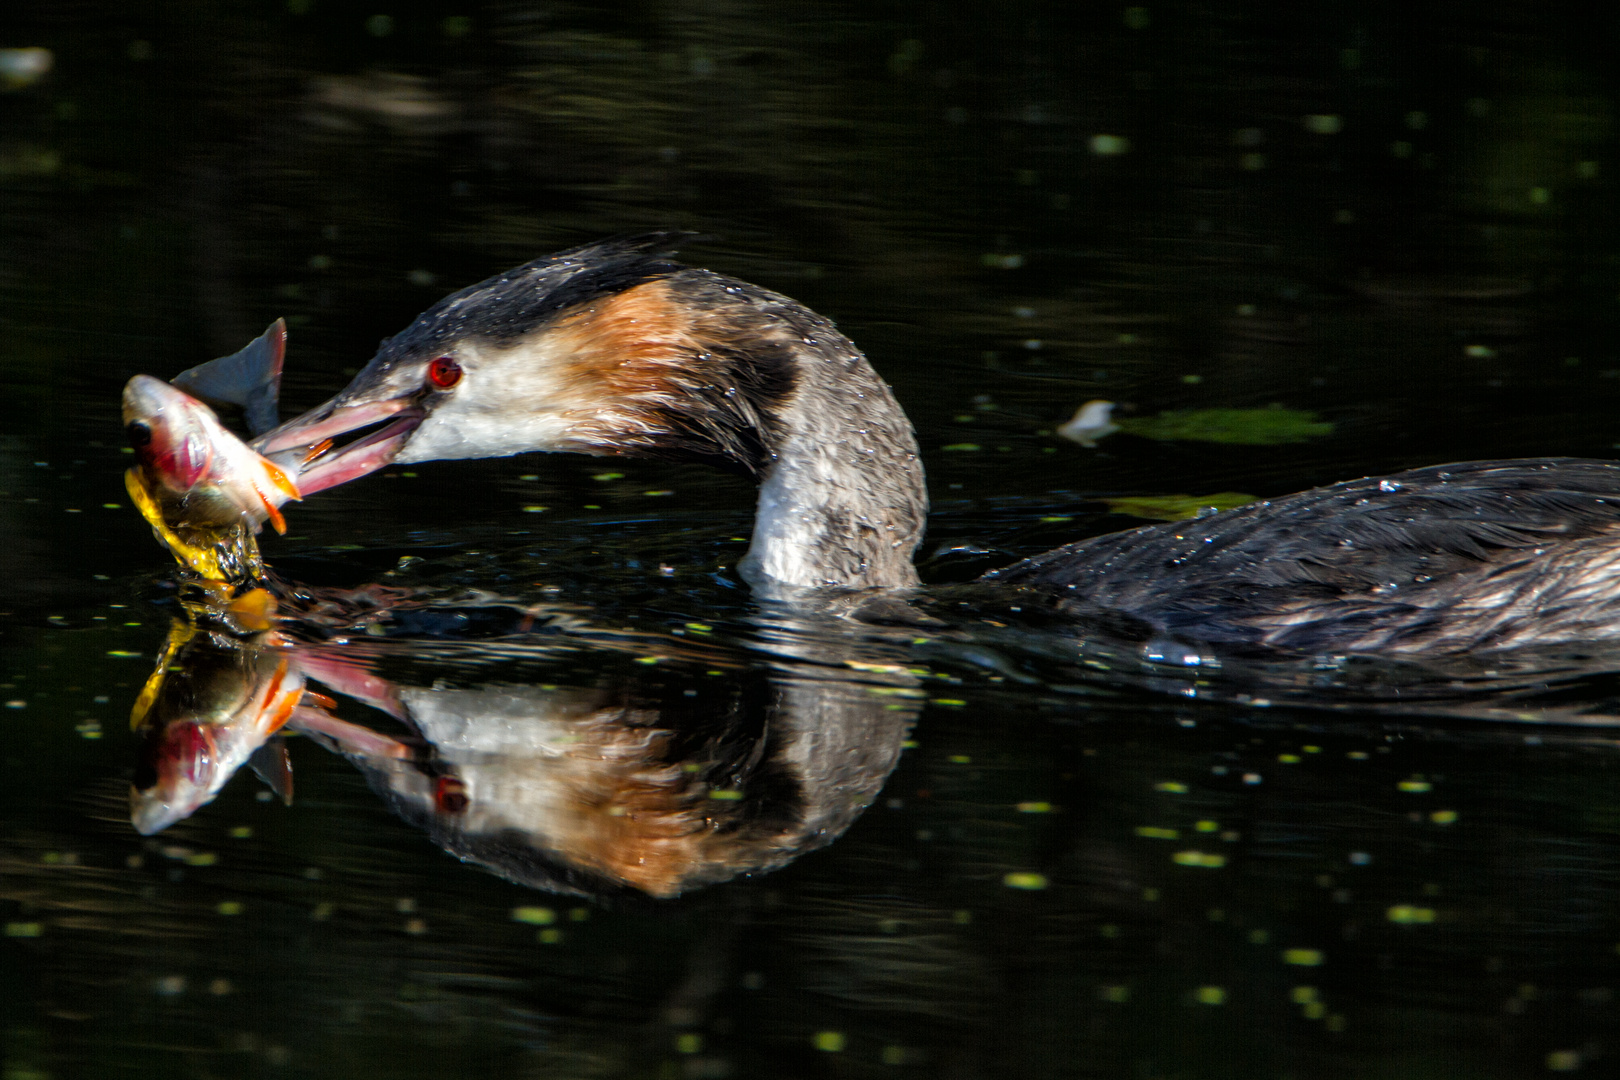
509	401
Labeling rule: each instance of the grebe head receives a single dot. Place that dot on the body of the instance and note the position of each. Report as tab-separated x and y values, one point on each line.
613	348
606	349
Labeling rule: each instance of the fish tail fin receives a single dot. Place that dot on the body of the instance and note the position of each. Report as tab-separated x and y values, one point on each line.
271	764
250	378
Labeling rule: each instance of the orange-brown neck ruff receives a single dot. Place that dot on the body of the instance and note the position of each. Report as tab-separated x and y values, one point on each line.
659	372
697	366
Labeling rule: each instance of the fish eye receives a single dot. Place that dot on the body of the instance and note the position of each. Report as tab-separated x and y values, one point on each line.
139	434
444	373
146	776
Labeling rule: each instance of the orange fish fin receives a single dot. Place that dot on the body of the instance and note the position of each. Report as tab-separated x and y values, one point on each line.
283	708
271	510
284	711
254	610
281	481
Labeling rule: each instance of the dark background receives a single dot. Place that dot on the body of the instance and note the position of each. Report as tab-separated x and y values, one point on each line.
1398	216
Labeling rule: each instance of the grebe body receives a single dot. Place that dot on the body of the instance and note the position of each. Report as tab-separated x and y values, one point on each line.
613	348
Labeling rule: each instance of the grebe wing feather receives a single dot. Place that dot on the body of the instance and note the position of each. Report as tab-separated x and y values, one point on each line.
1360	563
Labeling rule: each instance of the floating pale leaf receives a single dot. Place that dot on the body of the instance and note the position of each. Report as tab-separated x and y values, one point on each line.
1248	427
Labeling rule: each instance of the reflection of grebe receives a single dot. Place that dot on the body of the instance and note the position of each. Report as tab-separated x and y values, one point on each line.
650	781
612	348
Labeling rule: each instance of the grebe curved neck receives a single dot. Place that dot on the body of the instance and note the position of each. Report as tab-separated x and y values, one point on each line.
612	349
842	502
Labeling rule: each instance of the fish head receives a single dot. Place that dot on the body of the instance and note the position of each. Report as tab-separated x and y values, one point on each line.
175	437
208	706
174	775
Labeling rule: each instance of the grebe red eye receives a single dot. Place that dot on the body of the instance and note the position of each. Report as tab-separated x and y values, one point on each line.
444	373
450	794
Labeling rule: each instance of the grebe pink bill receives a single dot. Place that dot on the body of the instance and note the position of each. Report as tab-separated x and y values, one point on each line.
613	348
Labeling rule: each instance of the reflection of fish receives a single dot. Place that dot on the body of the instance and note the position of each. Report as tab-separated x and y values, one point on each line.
210	706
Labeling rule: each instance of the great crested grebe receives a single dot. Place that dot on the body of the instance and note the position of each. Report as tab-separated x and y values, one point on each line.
613	348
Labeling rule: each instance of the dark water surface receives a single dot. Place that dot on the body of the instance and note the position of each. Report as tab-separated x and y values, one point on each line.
1016	861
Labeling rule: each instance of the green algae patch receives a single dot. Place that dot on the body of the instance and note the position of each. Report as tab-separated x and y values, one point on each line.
1028	881
534	916
1243	427
1177	507
1410	915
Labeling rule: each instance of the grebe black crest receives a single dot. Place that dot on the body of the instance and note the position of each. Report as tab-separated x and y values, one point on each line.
614	348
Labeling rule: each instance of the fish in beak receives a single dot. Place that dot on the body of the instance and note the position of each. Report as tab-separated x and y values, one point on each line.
203	490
